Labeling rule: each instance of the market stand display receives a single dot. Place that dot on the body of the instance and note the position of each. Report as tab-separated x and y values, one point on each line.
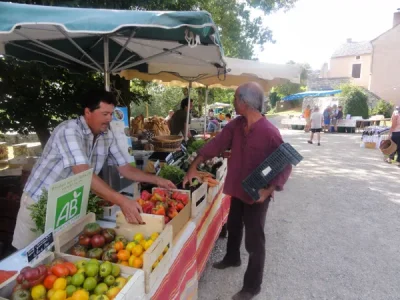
181	228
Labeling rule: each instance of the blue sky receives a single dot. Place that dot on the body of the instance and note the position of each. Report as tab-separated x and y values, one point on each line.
312	30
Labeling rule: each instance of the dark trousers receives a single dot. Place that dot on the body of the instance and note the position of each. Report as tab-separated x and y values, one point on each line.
253	218
396	140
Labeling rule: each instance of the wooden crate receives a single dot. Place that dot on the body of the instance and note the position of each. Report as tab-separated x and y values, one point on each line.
220	176
109	211
134	288
153	224
199	200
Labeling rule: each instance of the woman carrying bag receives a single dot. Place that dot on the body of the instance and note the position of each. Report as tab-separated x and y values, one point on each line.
395	135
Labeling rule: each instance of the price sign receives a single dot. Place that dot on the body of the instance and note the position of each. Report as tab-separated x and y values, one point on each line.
157	167
40	245
183	148
170	159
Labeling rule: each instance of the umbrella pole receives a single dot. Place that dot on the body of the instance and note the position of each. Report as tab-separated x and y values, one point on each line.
205	111
106	64
188	114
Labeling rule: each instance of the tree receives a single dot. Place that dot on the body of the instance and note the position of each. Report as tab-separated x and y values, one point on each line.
355	101
290	88
273	99
36	98
383	108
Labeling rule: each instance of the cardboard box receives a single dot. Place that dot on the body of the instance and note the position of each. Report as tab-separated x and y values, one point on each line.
134	288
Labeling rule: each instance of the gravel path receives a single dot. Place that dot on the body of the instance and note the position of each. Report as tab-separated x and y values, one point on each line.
334	233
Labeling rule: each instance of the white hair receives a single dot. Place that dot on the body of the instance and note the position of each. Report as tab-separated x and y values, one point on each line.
252	95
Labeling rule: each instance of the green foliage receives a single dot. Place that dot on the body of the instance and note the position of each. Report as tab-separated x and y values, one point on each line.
290	88
355	101
36	98
173	173
273	99
383	108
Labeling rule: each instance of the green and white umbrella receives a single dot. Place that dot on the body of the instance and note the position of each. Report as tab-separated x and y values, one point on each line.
185	44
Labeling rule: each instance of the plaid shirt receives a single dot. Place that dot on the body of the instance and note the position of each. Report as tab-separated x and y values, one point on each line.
71	144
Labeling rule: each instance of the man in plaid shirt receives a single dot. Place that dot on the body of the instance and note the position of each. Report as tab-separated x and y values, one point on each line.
76	146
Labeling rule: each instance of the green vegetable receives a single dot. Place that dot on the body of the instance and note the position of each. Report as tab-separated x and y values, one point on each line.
38	210
196	145
172	173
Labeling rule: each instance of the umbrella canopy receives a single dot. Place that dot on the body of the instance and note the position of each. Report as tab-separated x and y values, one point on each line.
238	72
219	105
311	94
112	40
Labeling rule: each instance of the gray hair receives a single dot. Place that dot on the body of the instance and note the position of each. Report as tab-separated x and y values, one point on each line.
252	94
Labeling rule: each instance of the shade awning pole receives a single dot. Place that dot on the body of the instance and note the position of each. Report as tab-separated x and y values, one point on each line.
188	112
205	110
106	64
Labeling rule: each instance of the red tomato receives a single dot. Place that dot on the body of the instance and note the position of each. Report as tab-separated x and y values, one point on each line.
71	268
60	270
49	281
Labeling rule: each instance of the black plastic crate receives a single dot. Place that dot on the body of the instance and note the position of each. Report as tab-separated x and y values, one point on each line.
271	167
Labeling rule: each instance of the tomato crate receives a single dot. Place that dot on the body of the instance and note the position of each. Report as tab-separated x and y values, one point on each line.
134	288
67	238
154	274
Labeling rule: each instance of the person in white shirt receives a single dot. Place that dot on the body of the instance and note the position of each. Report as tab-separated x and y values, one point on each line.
316	125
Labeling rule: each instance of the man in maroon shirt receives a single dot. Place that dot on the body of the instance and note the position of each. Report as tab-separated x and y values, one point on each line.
251	138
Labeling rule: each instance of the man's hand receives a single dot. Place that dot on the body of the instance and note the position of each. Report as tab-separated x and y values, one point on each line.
190	175
164	183
265	194
131	210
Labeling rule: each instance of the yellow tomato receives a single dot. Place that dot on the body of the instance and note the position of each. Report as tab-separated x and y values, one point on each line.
130	246
80	295
154	236
141	256
60	284
137	250
50	293
148	244
142	243
59	295
112	293
138	237
38	292
137	263
131	259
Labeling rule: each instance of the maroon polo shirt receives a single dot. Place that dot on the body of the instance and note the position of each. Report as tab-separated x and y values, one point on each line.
247	152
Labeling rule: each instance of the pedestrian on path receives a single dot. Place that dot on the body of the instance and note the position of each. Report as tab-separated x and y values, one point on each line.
307	116
395	134
251	138
316	125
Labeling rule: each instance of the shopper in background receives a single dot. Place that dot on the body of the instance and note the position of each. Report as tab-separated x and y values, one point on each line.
395	135
327	118
168	118
177	124
339	116
307	115
316	125
251	138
